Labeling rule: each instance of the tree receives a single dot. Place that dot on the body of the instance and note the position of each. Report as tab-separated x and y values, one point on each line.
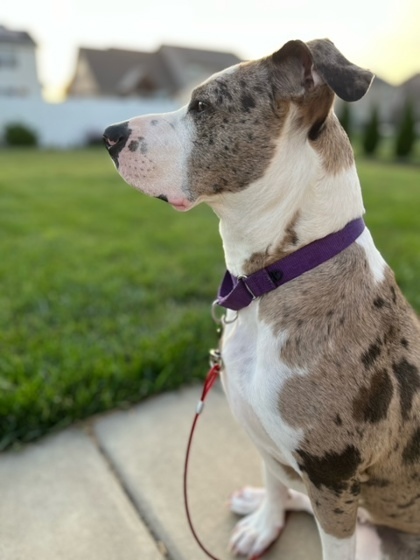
372	135
345	119
406	131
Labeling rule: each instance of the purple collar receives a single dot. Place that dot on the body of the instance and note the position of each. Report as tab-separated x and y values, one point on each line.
238	292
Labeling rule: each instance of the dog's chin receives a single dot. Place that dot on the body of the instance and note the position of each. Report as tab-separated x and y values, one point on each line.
180	204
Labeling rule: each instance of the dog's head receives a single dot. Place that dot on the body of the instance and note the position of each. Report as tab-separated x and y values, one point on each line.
225	138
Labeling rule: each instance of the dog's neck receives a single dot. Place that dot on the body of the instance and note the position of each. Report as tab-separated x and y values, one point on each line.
293	204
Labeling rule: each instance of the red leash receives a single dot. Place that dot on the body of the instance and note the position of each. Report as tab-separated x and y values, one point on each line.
211	378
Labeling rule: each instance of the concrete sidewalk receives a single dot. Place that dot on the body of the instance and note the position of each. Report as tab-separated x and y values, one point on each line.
111	489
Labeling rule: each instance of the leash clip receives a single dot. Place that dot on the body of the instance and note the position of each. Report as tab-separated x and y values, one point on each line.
215	357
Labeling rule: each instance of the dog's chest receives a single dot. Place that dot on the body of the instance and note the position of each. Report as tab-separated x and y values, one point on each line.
253	376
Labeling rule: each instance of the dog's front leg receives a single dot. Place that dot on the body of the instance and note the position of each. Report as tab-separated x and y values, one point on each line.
265	520
335	511
334	548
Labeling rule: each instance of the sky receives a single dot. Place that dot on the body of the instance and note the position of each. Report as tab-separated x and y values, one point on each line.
382	36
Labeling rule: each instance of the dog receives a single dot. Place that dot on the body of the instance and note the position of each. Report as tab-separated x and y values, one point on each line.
323	371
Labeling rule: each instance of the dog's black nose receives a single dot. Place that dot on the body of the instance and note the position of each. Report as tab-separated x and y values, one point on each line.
116	134
115	138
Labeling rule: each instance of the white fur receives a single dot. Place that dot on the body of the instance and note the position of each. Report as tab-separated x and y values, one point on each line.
376	262
255	375
160	169
337	549
364	544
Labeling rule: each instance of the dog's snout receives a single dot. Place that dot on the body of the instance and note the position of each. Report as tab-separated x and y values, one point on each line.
116	134
115	137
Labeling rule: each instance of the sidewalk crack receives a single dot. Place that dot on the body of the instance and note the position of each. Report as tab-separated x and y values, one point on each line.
160	544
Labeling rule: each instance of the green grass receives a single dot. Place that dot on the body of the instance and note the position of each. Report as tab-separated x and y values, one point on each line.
392	201
105	294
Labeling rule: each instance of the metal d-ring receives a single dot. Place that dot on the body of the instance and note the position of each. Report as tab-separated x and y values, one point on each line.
221	319
243	277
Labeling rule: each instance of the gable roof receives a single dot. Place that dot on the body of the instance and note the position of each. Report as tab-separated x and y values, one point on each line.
177	59
170	69
109	67
15	37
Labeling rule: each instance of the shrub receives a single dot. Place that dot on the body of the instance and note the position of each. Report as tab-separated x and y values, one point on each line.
17	134
406	132
372	136
345	119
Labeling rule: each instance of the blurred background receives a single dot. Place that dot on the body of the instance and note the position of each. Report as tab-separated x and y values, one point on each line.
104	294
76	61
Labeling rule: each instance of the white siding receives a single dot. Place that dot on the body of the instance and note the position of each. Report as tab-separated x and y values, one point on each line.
69	124
18	75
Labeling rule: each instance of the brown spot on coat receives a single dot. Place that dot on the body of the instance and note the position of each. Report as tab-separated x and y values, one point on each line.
333	470
411	453
371	355
372	402
409	383
379	302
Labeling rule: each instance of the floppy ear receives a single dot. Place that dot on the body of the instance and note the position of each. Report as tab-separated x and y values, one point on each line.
348	81
304	66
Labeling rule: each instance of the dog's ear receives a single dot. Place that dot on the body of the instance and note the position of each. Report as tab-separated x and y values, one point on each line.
304	66
293	65
348	81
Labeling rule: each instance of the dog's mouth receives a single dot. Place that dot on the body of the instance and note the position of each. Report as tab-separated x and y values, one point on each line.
180	204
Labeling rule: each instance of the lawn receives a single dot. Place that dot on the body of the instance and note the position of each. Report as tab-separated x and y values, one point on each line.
105	294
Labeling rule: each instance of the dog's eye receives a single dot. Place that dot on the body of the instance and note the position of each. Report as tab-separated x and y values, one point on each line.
201	106
198	106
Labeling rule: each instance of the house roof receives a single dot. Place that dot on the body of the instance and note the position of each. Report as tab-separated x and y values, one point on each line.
119	71
15	37
177	59
110	67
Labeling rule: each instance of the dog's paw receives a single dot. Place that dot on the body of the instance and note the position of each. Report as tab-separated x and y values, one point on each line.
258	530
246	500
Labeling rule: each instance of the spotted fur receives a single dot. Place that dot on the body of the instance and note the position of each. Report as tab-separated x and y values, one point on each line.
324	372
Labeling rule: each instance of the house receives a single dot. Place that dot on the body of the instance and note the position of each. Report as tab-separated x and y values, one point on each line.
410	91
167	73
18	71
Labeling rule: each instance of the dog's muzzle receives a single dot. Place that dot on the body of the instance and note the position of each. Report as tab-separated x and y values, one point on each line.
115	138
